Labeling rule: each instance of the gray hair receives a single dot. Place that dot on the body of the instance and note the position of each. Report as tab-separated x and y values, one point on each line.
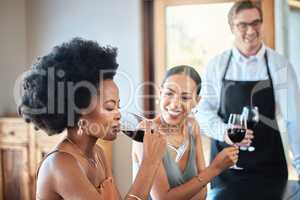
243	5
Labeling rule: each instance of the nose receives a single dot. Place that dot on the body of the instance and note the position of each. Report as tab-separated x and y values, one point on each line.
118	115
175	103
250	29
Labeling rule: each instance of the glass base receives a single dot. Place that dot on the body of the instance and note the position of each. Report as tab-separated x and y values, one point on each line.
236	167
251	149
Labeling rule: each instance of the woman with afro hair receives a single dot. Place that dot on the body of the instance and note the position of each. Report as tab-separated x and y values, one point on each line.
72	89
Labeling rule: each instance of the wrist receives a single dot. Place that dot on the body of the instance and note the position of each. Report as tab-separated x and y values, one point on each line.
215	169
149	163
210	172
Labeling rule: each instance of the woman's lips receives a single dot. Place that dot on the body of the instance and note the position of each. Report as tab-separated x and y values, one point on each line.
174	114
116	128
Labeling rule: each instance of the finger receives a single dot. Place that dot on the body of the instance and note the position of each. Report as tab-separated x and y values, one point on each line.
229	149
245	142
249	136
233	148
249	131
234	159
248	139
148	127
163	139
234	153
162	134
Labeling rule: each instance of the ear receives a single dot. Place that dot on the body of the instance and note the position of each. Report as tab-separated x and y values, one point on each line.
231	28
198	99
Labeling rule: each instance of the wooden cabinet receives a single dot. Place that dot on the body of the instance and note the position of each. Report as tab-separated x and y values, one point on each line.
21	150
14	160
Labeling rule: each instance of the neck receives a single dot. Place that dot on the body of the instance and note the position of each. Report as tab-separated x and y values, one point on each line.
84	142
249	52
171	129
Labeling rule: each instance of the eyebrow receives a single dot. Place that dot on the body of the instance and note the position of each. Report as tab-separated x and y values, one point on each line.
111	101
258	19
171	90
181	93
186	93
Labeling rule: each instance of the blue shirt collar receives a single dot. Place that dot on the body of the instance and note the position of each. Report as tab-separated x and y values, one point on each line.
241	58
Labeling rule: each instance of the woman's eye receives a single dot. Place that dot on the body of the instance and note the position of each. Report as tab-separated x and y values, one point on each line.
186	98
168	93
110	107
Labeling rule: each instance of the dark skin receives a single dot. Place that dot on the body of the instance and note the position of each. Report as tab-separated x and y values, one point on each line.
77	172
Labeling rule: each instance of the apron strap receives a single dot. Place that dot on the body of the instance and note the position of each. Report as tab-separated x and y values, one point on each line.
227	65
267	65
268	69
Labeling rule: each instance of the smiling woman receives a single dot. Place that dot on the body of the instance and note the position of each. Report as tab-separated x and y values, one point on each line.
182	174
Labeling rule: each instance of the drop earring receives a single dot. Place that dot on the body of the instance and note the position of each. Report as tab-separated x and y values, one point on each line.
82	123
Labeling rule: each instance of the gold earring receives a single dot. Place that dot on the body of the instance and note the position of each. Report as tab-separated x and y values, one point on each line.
82	123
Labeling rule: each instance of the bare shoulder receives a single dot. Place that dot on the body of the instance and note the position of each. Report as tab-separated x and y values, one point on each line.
59	162
59	167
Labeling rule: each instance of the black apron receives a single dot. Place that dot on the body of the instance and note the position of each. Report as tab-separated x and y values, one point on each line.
268	159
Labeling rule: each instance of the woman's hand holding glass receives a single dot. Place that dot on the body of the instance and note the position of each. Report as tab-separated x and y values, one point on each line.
154	145
226	158
237	128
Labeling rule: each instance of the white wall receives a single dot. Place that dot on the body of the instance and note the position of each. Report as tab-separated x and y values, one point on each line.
13	54
294	40
114	22
287	29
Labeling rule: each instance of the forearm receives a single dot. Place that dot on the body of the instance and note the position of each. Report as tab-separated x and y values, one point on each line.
295	147
201	195
189	189
211	124
143	181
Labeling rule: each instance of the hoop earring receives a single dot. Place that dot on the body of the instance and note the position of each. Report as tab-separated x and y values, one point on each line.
82	125
195	110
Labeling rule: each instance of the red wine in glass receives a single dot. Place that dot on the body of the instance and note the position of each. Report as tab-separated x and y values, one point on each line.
237	131
136	135
130	126
236	135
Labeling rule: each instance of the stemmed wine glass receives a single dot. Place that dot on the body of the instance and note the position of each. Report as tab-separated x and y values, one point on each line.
237	130
252	117
130	126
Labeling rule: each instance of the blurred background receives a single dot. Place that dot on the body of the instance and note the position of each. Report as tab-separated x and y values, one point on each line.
151	36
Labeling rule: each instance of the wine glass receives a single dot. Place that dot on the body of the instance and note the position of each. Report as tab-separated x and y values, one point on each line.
130	126
237	130
252	117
